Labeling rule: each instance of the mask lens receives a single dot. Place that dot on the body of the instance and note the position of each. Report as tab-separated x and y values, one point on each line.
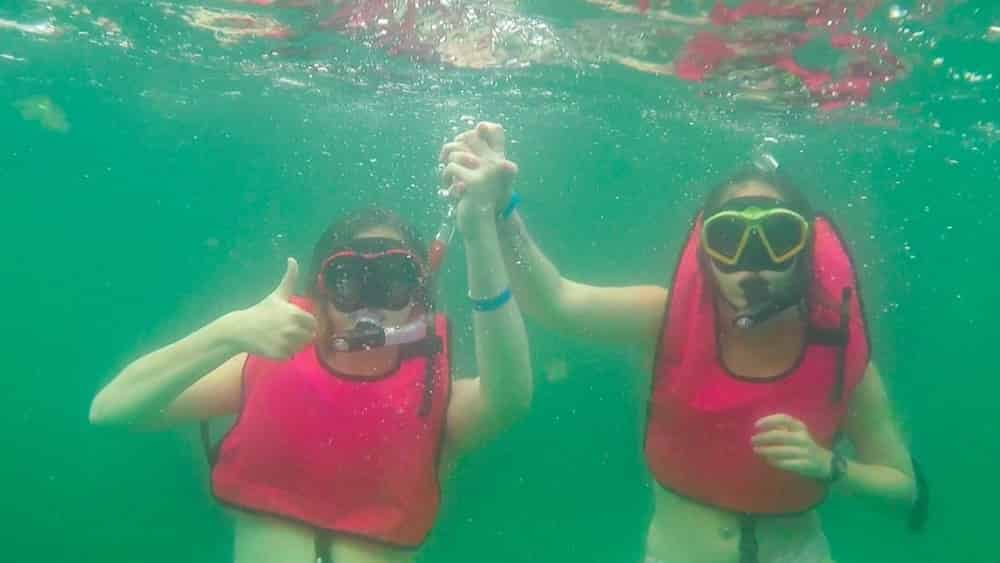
785	233
395	279
344	279
723	235
755	257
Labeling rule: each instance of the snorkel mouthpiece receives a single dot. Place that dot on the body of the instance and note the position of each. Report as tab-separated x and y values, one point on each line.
762	303
368	333
754	317
364	336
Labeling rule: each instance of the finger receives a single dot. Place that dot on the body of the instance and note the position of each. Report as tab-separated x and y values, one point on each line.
455	172
304	320
298	337
509	167
451	189
465	158
294	341
792	465
457	190
775	438
286	288
783	437
449	148
279	351
780	420
781	452
472	140
466	136
781	463
493	134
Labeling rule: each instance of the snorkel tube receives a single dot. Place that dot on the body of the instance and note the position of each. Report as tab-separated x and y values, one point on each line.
369	331
763	302
439	246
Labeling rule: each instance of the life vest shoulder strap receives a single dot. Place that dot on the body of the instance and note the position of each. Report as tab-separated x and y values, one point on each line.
832	337
836	337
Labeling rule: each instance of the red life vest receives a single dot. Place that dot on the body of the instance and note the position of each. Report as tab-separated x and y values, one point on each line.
342	454
701	417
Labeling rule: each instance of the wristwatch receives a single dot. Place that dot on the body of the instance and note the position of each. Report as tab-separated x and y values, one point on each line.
838	468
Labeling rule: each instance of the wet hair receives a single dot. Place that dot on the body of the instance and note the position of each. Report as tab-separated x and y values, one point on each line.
348	227
783	186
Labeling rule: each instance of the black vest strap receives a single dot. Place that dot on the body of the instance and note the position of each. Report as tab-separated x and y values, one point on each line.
921	507
836	394
323	542
831	337
836	338
211	452
432	346
428	347
748	539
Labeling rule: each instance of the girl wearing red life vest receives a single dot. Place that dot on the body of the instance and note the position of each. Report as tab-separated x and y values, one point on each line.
757	359
347	413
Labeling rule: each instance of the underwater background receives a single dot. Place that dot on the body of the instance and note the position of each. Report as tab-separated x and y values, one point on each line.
155	171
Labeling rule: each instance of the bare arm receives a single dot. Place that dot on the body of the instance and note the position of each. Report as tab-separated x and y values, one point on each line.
146	389
614	315
883	469
482	407
199	375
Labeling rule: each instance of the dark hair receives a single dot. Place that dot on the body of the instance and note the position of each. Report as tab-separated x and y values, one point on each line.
787	191
347	228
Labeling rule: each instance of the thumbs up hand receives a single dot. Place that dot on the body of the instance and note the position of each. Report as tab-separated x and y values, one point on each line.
275	328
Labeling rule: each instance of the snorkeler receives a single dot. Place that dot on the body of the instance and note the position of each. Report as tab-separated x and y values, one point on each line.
348	415
757	361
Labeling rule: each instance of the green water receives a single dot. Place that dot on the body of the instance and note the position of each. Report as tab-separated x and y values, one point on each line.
185	172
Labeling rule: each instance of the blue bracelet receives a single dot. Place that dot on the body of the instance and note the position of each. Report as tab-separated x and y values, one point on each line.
515	198
491	303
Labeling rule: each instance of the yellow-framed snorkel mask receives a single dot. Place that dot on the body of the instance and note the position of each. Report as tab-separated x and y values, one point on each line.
726	235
